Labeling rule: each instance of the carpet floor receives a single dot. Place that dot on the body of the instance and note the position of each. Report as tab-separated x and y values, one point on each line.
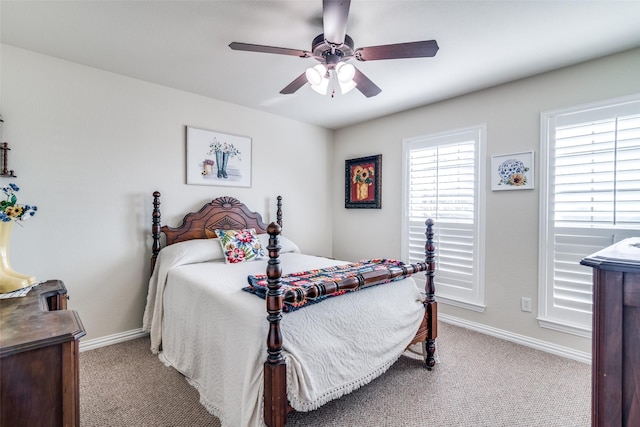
479	381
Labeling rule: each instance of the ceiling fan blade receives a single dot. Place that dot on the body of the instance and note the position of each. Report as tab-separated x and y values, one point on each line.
334	20
364	85
421	49
269	49
295	85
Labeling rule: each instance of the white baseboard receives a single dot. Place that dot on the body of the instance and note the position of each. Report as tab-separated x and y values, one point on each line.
111	339
546	346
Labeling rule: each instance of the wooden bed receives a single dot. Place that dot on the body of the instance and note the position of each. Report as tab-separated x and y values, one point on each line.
228	213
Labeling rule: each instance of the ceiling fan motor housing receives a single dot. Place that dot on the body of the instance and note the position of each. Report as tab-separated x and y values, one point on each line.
330	54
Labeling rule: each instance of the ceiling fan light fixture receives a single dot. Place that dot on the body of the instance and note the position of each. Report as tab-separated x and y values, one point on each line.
347	87
316	74
345	72
321	87
317	78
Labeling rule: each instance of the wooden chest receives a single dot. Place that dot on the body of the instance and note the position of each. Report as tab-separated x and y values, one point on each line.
39	371
616	334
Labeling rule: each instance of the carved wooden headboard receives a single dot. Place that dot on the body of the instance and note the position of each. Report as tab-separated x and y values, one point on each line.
225	213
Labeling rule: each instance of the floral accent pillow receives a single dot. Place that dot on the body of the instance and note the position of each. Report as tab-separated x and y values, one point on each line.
240	245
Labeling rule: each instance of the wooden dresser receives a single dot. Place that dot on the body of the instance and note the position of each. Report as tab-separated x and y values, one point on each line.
616	334
39	370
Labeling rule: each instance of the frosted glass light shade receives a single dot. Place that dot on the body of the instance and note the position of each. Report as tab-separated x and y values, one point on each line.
347	87
345	72
321	87
316	74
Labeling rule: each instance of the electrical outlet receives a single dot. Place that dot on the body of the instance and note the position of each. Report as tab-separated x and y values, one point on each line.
525	304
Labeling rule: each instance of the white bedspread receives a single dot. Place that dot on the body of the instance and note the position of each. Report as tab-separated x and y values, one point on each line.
215	334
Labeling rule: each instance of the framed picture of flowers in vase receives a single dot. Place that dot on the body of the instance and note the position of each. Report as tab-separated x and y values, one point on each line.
512	171
216	158
363	182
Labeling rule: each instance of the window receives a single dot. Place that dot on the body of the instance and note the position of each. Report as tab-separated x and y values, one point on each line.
590	199
444	178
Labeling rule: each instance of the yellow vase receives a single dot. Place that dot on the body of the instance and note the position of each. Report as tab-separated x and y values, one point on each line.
10	280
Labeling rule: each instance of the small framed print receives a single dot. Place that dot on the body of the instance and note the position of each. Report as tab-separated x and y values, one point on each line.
363	182
512	171
215	158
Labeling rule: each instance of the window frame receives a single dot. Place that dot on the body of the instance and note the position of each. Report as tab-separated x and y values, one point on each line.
549	315
475	298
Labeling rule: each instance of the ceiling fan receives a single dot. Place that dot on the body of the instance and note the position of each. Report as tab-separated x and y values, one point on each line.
334	48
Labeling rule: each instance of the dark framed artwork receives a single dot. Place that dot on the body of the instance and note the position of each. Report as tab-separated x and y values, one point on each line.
363	182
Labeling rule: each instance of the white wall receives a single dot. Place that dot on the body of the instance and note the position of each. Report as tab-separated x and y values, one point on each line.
89	148
512	114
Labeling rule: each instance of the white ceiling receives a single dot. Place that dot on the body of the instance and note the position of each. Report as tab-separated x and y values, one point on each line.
184	45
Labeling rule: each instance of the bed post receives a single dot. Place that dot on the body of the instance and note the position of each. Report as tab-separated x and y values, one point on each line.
275	378
155	229
430	304
279	211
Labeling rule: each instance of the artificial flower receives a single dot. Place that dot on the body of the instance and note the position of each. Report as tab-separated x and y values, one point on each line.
10	210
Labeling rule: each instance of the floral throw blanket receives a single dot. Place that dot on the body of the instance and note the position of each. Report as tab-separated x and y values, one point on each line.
304	279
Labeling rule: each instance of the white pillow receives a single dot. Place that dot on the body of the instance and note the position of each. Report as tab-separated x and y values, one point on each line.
286	245
192	251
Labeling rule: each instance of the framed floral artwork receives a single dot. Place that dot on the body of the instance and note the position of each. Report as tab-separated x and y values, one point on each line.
512	171
215	158
363	182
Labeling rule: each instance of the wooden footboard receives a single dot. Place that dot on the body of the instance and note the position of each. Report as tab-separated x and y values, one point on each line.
276	405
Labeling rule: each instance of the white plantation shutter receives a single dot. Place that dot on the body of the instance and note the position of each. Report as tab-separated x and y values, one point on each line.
442	182
590	199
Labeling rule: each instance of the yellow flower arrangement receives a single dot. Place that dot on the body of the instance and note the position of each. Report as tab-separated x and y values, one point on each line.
10	210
